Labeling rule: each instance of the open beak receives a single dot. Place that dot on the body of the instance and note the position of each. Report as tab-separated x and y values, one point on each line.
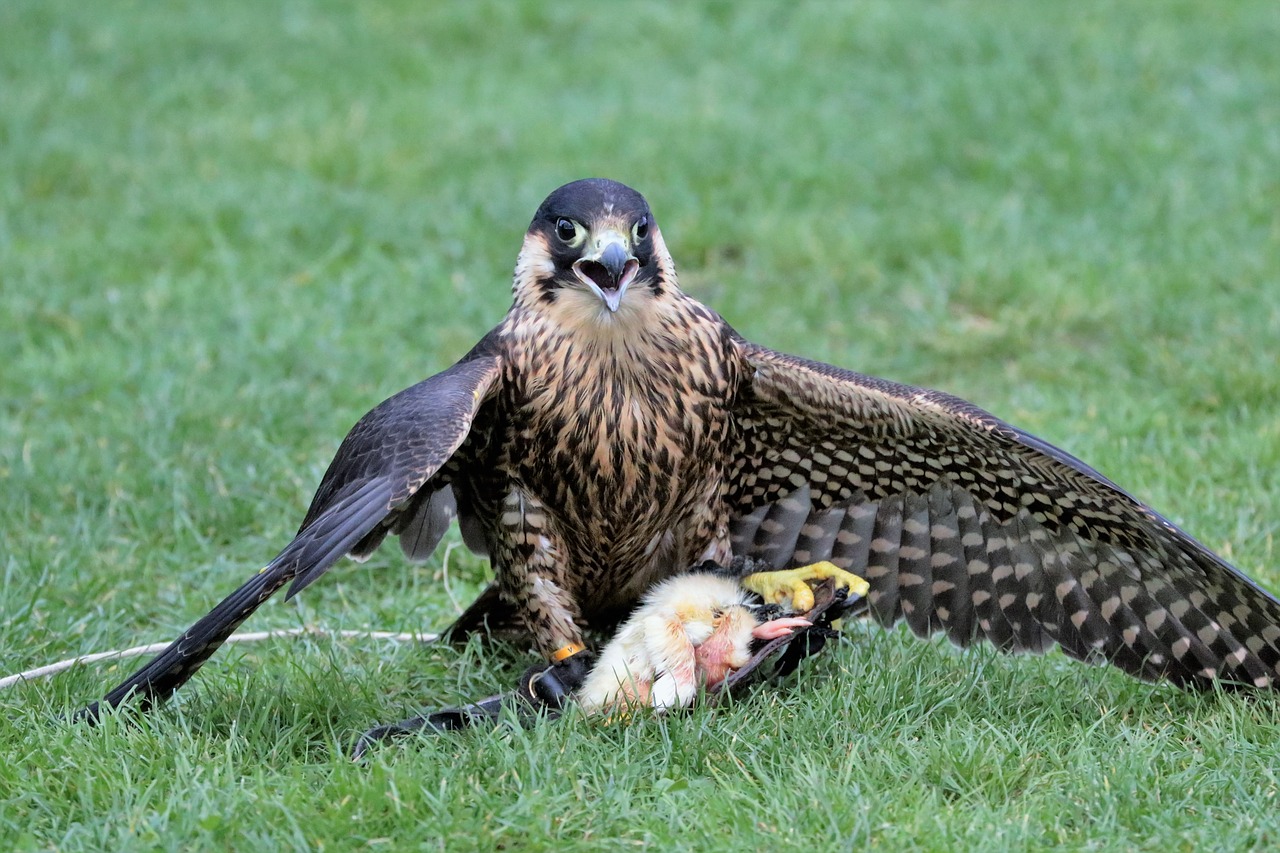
609	270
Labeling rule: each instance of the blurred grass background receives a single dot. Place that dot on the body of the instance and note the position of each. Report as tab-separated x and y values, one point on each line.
227	230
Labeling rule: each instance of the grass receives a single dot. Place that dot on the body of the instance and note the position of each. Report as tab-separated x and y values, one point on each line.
227	230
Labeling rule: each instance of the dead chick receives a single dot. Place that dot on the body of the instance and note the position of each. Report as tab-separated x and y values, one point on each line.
689	630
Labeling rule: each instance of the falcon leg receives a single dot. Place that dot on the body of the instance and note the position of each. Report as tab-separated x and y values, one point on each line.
790	587
530	592
531	572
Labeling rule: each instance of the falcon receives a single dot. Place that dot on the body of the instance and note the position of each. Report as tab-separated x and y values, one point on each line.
612	432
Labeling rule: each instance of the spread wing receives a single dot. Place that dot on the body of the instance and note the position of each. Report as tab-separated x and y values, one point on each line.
966	525
386	475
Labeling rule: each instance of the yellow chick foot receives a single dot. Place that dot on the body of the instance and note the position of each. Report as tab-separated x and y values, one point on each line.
688	631
790	588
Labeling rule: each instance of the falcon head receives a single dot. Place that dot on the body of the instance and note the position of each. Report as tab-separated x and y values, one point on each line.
593	253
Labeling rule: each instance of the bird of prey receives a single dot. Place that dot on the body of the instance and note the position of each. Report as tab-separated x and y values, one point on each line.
612	431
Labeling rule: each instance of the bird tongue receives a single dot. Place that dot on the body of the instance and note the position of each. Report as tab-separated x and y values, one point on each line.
596	271
598	274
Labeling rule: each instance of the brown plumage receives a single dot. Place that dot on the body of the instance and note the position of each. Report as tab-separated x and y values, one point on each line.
612	431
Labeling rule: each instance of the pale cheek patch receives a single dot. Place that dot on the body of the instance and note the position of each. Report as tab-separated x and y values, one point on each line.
533	264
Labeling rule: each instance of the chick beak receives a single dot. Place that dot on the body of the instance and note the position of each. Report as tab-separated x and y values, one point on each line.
609	270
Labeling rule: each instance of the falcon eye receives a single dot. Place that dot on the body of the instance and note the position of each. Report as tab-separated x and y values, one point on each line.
642	229
566	230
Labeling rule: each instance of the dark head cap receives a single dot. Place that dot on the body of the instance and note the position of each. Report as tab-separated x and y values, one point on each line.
587	200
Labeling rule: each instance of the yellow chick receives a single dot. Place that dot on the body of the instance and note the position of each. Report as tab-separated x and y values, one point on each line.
690	629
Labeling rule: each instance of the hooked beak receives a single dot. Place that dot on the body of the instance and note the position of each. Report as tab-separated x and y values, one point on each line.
609	270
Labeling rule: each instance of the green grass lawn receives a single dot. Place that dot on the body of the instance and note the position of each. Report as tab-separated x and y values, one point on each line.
229	229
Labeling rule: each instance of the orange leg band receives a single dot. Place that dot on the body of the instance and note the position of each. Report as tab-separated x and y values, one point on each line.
565	652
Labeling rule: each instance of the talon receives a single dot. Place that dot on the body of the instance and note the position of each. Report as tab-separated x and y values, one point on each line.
792	585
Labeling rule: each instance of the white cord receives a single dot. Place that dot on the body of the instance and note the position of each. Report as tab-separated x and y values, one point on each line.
50	669
448	550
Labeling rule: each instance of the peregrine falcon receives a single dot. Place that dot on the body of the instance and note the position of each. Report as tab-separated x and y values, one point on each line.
612	432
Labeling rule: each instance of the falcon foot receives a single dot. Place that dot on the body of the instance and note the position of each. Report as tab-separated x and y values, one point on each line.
543	691
552	687
791	588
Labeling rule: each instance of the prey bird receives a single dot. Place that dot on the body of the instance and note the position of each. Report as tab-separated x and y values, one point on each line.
689	631
612	432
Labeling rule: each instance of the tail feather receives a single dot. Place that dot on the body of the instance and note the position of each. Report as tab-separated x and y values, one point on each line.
316	547
170	669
